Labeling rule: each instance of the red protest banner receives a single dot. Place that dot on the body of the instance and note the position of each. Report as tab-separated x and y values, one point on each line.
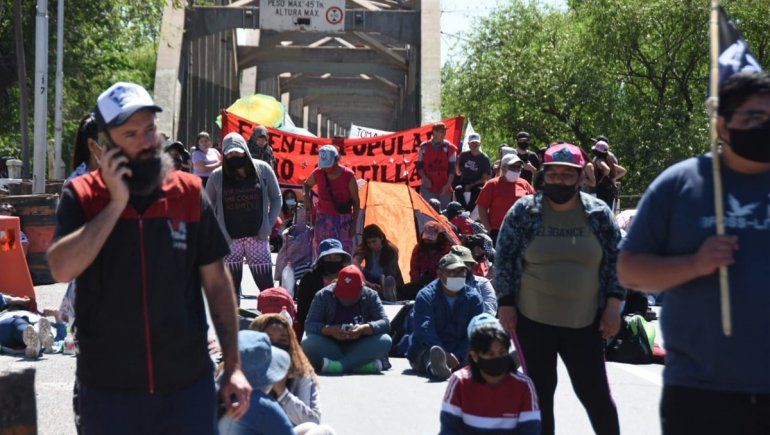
388	158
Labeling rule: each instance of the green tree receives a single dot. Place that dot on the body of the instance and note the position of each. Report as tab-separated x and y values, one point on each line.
636	72
104	41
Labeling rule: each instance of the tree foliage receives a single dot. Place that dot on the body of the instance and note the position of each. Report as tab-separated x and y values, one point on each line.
634	71
104	41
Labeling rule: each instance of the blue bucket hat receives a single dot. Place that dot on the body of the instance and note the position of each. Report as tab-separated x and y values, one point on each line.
329	247
262	363
482	319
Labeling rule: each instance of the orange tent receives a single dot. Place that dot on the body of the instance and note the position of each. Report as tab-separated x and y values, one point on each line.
401	213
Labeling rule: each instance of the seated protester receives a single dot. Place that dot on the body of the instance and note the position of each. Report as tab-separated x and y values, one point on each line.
27	331
433	244
276	300
489	395
442	312
459	218
298	392
482	285
379	258
331	259
347	328
483	252
9	210
263	365
296	251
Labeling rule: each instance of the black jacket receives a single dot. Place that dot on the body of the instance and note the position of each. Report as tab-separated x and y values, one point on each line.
140	317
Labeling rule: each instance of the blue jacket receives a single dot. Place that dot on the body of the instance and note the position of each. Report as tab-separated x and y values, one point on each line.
324	306
436	324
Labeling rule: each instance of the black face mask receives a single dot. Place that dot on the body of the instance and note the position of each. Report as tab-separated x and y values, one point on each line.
236	162
494	366
479	258
523	145
177	163
752	144
600	154
559	193
144	175
331	267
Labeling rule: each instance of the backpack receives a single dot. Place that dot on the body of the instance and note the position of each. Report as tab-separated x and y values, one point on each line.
634	343
401	327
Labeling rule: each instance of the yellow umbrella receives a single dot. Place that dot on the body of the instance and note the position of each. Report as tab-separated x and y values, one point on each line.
259	108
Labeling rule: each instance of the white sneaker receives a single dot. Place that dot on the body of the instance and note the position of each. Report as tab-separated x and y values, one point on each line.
32	342
45	334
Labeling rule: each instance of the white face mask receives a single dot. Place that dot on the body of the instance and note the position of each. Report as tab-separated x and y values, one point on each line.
512	175
455	284
290	202
465	214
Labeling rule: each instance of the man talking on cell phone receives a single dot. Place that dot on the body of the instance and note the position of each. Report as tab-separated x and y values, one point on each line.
140	240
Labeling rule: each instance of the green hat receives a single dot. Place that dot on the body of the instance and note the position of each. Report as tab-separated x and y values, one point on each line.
451	262
464	254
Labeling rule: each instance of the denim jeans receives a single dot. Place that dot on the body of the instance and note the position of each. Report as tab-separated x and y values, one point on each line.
352	354
12	331
191	410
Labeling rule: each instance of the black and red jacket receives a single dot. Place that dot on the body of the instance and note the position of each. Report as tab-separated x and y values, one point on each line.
139	311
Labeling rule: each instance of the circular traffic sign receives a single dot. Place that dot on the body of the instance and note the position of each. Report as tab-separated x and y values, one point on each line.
334	15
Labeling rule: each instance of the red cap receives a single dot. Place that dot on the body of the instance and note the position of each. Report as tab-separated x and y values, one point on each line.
350	283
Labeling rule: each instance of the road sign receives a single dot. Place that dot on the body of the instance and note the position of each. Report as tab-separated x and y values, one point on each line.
311	15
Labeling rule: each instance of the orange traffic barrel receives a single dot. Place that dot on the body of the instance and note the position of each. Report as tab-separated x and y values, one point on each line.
38	221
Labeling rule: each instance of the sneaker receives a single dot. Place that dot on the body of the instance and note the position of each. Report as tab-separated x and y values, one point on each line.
389	288
45	334
437	366
370	368
331	367
32	342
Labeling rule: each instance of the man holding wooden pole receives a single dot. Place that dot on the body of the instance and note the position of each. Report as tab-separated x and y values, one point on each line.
716	380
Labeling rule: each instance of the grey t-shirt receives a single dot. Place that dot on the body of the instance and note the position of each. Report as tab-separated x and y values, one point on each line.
674	217
560	281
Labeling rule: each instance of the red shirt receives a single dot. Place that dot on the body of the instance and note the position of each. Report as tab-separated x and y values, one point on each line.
435	163
340	189
499	195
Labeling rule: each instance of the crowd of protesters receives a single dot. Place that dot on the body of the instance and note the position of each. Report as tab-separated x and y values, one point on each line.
536	275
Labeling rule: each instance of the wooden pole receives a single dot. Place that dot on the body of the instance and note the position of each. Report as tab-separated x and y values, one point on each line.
713	105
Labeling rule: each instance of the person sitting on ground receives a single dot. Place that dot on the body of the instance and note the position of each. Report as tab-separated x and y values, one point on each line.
347	328
489	393
22	330
483	253
331	259
500	193
264	365
482	285
9	210
179	155
433	244
459	218
297	393
435	204
442	312
379	258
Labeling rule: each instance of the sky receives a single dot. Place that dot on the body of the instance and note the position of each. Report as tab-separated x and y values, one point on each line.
458	18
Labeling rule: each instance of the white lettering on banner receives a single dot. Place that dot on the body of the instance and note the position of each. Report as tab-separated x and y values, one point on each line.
309	15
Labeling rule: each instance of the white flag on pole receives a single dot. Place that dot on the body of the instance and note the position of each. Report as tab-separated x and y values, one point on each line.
468	131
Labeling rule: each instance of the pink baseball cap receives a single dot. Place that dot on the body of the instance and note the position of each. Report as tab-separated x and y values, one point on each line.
564	154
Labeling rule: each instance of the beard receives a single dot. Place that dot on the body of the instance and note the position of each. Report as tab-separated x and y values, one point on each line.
148	171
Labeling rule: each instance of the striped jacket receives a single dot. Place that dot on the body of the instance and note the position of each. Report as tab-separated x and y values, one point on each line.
509	407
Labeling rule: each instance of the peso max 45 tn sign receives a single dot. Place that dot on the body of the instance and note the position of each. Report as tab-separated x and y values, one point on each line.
310	15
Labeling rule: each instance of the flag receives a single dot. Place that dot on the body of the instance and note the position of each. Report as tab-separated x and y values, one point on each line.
734	53
468	131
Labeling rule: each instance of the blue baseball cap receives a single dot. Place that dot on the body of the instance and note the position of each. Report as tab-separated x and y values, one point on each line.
327	156
482	319
262	363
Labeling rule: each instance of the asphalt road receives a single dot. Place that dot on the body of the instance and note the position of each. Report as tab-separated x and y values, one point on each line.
394	402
